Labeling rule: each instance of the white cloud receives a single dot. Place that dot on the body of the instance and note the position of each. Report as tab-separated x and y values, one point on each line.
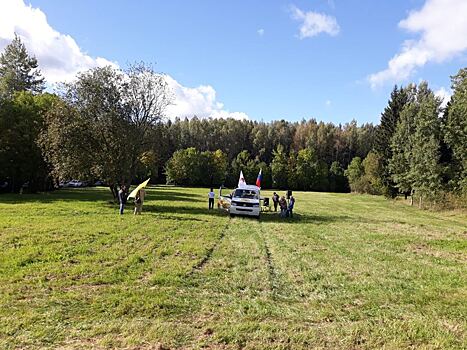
200	101
328	103
444	94
442	25
260	32
314	23
59	56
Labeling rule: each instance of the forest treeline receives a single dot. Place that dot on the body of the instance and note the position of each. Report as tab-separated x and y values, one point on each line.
108	124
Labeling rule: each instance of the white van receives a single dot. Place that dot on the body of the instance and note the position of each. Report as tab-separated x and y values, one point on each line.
244	200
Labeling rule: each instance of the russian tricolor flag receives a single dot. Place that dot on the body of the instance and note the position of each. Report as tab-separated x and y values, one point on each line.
259	178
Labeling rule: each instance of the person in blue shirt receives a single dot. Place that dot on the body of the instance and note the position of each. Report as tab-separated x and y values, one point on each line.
291	205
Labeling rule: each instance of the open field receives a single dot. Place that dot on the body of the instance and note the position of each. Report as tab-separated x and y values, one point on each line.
350	272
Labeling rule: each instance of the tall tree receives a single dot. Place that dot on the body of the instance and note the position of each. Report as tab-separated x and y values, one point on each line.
385	131
18	70
425	163
402	144
416	145
455	130
105	124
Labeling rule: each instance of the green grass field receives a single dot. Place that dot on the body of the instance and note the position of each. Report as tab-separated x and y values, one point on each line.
348	272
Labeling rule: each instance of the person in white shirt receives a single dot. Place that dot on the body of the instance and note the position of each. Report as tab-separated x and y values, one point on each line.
211	196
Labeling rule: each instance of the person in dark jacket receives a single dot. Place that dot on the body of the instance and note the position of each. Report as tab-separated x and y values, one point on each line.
275	200
122	198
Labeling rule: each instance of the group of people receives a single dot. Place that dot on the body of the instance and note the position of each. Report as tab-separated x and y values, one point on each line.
285	207
139	200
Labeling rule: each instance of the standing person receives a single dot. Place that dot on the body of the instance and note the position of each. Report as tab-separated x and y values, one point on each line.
139	202
291	205
211	196
283	206
275	200
122	198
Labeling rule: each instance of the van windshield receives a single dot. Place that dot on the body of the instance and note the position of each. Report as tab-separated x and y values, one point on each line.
249	194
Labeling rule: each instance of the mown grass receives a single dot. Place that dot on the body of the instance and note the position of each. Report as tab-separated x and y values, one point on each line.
349	272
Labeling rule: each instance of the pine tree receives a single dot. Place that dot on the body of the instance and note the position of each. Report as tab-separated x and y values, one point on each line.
18	70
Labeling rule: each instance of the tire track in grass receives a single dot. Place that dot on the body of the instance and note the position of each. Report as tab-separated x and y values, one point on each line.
272	273
207	257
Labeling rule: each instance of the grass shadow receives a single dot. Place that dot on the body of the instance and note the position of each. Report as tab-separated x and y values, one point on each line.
91	194
176	209
303	218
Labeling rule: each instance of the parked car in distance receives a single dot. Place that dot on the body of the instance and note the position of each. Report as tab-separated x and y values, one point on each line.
99	183
75	183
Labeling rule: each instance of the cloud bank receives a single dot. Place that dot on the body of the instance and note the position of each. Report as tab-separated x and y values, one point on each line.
314	23
59	55
442	26
200	101
60	58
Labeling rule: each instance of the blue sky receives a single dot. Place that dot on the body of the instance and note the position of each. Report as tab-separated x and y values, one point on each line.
250	56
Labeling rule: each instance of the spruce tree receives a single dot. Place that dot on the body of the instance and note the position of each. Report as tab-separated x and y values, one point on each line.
385	131
18	70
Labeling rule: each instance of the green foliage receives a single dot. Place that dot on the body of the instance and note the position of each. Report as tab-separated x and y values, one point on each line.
455	131
416	145
385	131
21	121
190	167
306	169
337	179
373	168
106	124
364	176
354	171
279	168
18	70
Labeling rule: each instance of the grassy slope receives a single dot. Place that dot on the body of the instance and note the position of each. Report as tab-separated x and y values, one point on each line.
347	272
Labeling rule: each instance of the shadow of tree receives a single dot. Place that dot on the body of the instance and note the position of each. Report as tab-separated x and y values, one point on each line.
91	194
173	196
94	194
303	218
176	209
